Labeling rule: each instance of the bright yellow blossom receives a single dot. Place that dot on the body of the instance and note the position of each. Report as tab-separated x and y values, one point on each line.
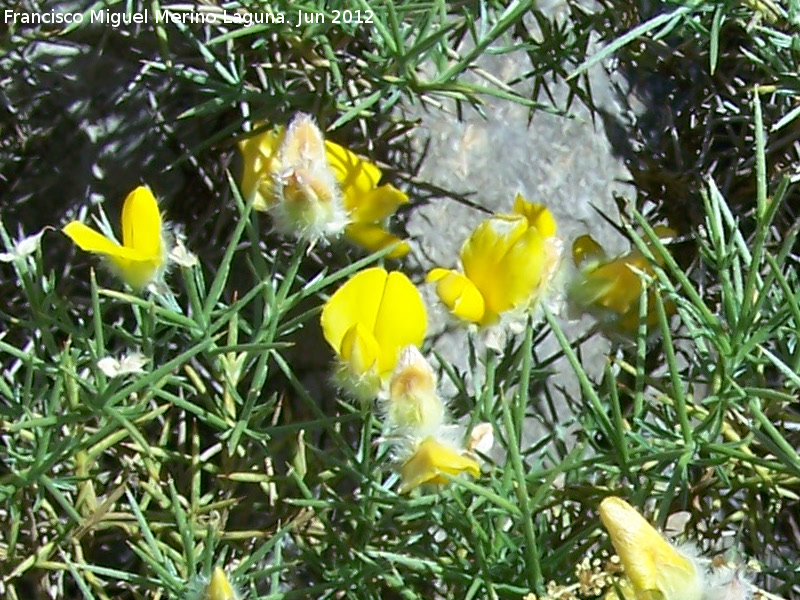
367	322
219	588
508	261
367	203
362	205
654	568
141	257
260	167
611	288
429	462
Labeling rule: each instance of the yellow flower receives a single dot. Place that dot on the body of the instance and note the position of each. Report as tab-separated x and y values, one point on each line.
261	166
218	587
413	407
360	206
140	258
367	322
430	461
367	203
508	261
611	288
653	566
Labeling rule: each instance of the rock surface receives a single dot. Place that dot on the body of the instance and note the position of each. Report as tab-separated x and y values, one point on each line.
566	163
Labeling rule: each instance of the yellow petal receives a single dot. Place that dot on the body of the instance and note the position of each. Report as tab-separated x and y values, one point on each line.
385	304
128	263
459	295
374	237
358	363
358	178
651	563
373	205
89	240
401	320
614	285
139	259
352	172
260	165
136	273
357	301
141	232
359	350
586	250
505	259
611	289
538	215
141	224
430	461
218	587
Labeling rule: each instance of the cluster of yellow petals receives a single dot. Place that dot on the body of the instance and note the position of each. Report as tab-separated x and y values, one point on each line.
654	568
367	203
367	321
611	288
508	263
141	257
375	323
269	159
416	418
430	463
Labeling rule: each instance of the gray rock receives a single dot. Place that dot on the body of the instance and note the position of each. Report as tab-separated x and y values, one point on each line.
564	162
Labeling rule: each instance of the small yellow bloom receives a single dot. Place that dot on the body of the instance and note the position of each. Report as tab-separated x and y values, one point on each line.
219	588
367	322
367	203
140	258
413	408
260	167
508	261
359	204
430	461
654	567
611	288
